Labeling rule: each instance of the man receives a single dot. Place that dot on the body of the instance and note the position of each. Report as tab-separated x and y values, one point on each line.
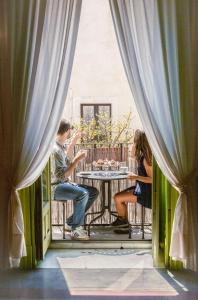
82	195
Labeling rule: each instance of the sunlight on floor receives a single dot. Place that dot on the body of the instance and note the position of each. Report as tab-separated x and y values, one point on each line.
117	282
110	272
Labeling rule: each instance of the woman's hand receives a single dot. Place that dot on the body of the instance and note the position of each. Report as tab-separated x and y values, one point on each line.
145	179
133	176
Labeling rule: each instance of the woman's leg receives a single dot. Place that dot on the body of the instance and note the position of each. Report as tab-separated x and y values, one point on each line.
121	199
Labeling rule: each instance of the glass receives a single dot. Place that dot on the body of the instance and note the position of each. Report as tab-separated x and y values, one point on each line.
122	164
88	113
104	109
105	167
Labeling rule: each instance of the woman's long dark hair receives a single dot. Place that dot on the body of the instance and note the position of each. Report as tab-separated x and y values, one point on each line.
142	147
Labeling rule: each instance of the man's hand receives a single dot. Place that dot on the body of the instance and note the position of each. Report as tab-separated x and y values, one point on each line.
80	155
77	135
70	147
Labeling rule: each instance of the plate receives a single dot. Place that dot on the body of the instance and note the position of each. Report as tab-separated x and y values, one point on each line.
85	173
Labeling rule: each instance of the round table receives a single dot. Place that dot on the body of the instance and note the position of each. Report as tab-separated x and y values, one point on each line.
106	177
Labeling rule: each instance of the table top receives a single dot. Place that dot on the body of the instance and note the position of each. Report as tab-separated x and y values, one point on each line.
103	175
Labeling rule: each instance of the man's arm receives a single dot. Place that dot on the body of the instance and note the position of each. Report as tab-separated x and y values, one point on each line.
64	167
80	155
70	147
59	165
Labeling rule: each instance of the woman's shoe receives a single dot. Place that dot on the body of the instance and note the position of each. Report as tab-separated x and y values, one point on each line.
120	222
122	230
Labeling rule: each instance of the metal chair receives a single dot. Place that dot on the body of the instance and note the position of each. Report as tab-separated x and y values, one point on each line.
64	205
143	224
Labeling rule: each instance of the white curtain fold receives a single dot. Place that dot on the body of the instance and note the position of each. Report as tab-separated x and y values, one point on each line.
158	44
37	45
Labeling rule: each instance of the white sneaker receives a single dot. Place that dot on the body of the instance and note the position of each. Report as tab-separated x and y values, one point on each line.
79	234
82	229
67	227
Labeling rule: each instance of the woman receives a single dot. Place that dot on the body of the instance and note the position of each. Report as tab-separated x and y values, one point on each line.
141	192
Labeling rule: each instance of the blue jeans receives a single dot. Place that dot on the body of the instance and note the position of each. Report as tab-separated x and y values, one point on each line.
83	197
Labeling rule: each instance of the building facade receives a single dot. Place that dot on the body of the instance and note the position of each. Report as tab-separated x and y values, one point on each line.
98	75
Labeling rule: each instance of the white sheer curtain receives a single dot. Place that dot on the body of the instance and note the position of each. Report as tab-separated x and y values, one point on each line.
38	41
158	44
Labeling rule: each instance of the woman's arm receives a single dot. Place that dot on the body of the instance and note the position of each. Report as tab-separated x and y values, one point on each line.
149	170
144	179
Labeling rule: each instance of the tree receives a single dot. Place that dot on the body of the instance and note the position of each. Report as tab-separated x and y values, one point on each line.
103	131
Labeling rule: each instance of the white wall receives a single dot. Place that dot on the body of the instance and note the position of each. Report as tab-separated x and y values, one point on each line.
98	75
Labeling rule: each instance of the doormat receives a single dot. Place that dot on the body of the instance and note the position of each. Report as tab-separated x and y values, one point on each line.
107	258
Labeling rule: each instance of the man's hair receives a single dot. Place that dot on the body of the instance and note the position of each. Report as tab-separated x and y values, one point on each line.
64	126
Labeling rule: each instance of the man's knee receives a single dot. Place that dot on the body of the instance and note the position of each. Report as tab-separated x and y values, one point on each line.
95	191
83	196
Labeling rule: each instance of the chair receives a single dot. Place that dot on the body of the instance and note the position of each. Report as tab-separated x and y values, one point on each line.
143	224
53	186
64	204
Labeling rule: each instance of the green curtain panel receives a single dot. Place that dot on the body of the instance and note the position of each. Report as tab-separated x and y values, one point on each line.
35	202
27	197
164	203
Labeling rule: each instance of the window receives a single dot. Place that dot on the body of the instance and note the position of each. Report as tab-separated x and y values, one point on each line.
90	111
97	131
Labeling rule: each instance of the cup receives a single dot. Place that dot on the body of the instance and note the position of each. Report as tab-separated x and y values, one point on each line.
124	169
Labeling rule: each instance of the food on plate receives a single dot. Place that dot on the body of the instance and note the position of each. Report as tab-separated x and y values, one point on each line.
102	162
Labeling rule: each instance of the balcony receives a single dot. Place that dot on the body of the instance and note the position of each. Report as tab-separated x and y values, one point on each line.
139	219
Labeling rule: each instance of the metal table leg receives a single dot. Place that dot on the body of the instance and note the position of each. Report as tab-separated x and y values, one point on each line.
103	207
105	204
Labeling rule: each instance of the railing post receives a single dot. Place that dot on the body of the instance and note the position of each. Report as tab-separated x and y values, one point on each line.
121	147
